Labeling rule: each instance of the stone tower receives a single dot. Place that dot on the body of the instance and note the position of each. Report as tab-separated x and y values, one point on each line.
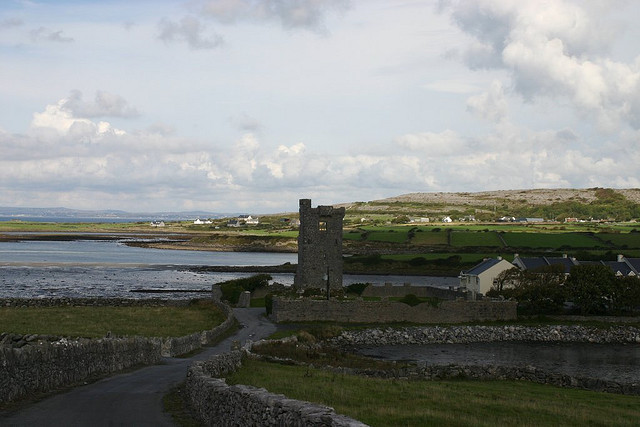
319	247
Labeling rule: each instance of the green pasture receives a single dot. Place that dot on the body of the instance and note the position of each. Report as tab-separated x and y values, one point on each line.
550	240
430	236
392	402
464	257
475	238
95	322
620	240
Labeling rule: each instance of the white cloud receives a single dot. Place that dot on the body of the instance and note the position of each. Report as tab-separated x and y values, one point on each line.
433	144
554	49
291	14
191	31
490	105
46	34
105	104
59	118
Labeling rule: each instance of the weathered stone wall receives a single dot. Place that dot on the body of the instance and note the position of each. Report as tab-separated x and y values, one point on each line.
218	404
470	334
319	247
388	290
90	302
308	310
41	363
42	368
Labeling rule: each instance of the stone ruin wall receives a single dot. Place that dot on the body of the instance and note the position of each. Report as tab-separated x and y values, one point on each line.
31	364
319	247
217	404
389	290
308	310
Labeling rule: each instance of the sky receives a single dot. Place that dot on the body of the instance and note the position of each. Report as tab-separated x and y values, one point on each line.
250	105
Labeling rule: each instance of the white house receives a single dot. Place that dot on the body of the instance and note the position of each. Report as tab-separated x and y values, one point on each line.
479	279
447	219
249	220
200	222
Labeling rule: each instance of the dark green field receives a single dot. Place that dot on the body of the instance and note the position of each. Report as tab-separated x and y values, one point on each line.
384	402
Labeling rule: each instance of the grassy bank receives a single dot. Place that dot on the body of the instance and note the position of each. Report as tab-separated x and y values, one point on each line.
92	322
420	403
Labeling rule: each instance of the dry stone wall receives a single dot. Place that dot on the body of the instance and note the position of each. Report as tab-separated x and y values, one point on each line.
356	311
218	404
41	363
471	334
42	368
389	290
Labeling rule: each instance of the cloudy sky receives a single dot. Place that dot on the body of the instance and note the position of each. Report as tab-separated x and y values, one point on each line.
249	105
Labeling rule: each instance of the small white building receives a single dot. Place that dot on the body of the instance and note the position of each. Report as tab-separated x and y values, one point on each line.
249	220
157	223
201	222
420	219
479	279
447	219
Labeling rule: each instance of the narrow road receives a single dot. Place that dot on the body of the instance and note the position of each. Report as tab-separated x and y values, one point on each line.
133	398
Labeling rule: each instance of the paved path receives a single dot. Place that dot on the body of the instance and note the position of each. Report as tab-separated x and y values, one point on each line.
133	398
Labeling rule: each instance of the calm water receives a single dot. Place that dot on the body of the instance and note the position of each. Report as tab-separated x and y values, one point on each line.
616	362
83	268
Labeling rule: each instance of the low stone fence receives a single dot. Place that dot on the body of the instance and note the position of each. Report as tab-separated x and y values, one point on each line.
389	290
180	345
90	302
218	404
356	311
455	334
42	368
41	363
469	334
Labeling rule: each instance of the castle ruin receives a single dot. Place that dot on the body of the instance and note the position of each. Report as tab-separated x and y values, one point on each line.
319	247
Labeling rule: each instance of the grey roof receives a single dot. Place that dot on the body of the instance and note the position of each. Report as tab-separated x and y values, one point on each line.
634	263
618	266
482	267
535	263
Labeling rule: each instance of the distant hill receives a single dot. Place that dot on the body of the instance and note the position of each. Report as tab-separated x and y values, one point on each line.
553	204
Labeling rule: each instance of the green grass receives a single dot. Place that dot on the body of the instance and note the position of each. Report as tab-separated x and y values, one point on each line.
475	238
383	402
92	322
550	240
465	257
429	237
629	240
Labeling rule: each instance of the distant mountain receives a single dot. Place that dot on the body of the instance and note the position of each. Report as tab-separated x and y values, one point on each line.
62	213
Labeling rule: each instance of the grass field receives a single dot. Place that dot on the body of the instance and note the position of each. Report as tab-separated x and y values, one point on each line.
629	240
550	240
382	402
466	258
475	238
428	236
93	322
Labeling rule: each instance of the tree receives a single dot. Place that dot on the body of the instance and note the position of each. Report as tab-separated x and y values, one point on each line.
625	297
537	292
591	287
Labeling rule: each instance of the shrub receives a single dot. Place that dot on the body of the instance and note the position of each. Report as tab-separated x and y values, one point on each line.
268	303
356	288
231	289
410	300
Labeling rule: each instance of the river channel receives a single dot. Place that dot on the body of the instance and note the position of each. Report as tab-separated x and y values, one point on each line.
107	268
614	362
